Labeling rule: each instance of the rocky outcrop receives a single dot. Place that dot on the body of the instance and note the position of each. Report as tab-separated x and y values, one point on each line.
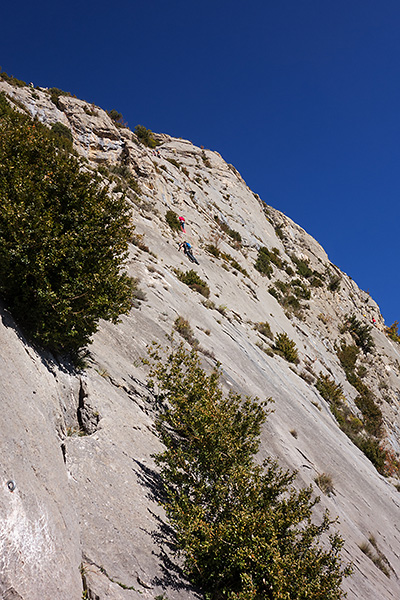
84	515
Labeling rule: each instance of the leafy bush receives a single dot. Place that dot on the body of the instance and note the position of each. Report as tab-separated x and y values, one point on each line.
264	259
373	418
55	94
368	441
348	357
115	115
191	279
174	162
263	262
393	332
330	391
286	347
245	532
303	267
11	80
287	300
62	135
146	136
212	249
235	235
334	283
373	451
62	239
126	176
360	333
300	290
173	221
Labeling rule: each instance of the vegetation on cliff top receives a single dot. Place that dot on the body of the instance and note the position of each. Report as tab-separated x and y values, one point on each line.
63	239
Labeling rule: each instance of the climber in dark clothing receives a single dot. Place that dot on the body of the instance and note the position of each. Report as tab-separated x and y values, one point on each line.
187	248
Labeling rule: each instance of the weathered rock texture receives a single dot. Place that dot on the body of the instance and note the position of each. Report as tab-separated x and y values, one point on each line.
84	514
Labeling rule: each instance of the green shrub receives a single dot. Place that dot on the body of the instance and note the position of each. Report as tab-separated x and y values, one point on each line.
193	280
300	290
303	267
174	162
286	347
373	418
263	262
372	450
125	174
360	333
330	391
368	441
212	249
244	530
62	239
55	94
348	356
62	135
146	136
393	332
275	258
334	283
11	80
235	235
115	116
173	221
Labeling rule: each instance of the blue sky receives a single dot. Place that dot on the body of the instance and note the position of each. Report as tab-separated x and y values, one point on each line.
302	96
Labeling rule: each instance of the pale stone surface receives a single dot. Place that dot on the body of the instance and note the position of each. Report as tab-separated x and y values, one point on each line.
92	498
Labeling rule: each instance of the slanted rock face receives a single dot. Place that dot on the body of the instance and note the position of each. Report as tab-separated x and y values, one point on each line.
39	525
84	514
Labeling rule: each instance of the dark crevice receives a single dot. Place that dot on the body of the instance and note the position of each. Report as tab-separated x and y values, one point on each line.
88	418
64	452
81	404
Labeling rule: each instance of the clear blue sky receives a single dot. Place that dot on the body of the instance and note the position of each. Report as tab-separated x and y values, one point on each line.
302	96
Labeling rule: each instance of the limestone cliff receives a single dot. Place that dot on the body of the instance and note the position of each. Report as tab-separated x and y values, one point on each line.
79	447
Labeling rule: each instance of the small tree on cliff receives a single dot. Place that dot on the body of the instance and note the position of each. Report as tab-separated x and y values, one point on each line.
63	239
245	532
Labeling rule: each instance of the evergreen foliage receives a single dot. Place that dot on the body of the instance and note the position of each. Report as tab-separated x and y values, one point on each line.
63	135
286	347
330	391
360	333
372	419
263	262
246	533
62	239
146	136
173	221
195	282
393	332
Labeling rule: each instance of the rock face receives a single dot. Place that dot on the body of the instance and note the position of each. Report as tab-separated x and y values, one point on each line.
84	516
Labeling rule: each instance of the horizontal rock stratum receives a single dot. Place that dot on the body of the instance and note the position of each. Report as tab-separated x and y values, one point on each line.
78	447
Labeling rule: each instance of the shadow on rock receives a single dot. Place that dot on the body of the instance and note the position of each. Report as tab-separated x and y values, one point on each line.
164	537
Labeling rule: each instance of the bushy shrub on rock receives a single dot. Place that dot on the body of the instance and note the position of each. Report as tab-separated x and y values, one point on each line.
245	532
63	239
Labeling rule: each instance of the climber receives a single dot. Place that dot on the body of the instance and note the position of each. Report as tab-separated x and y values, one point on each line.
187	248
182	222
